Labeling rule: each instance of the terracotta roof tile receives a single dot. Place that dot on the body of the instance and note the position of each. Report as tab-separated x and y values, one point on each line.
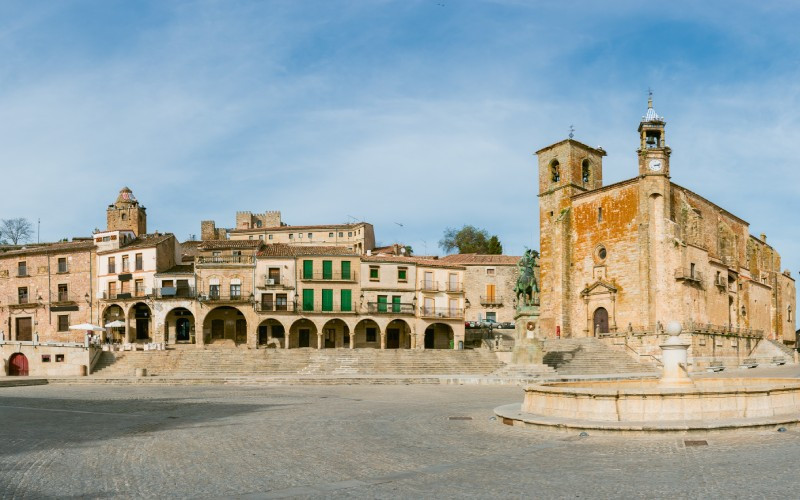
226	244
63	246
178	269
424	262
284	250
299	228
482	259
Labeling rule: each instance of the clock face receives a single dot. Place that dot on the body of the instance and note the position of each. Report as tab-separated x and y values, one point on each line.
655	165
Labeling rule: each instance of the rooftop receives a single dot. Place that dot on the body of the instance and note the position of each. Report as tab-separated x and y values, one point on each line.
475	258
284	250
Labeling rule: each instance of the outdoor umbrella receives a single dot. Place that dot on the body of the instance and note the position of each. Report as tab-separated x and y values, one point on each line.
87	327
115	324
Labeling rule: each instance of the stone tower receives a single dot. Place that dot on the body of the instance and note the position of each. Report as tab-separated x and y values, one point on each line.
126	214
566	169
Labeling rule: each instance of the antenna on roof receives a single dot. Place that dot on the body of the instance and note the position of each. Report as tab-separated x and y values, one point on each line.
354	219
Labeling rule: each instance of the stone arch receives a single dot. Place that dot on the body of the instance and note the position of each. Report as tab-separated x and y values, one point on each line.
555	171
335	333
399	334
367	333
303	333
115	312
225	325
140	323
439	336
179	326
586	172
17	365
272	333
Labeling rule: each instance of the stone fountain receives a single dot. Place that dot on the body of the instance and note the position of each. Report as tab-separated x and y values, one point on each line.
675	402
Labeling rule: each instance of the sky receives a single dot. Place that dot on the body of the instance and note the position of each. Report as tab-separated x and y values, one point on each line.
414	115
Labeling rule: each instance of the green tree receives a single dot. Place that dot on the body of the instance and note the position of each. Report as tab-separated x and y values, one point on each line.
470	239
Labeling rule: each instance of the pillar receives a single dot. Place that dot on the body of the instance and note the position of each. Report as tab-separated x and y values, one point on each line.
383	339
319	340
353	339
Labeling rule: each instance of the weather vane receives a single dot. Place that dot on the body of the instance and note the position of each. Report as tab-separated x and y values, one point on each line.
571	131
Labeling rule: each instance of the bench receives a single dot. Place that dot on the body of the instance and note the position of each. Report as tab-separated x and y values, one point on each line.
748	363
778	360
715	366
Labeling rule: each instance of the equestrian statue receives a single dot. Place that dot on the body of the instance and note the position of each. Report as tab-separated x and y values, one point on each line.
527	288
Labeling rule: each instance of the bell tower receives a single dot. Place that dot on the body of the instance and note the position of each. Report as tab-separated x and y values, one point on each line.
653	150
126	213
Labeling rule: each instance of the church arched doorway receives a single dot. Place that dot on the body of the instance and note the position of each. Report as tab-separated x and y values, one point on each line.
600	321
18	365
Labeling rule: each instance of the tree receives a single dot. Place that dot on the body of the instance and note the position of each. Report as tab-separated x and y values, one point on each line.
16	231
409	250
470	239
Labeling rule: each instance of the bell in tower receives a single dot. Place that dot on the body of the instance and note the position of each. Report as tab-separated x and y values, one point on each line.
653	150
126	214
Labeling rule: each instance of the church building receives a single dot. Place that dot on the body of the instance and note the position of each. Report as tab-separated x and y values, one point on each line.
634	255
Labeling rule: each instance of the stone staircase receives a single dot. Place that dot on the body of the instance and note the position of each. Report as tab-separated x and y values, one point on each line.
589	356
784	349
305	362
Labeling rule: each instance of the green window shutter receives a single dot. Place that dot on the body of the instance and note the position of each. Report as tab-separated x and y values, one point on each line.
327	300
347	299
381	303
401	274
395	303
346	270
308	300
373	273
308	269
327	270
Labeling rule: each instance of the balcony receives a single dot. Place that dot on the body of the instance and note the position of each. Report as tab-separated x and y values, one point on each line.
332	276
63	299
689	275
22	302
491	300
272	307
136	294
224	260
454	287
429	286
238	297
441	312
319	308
171	292
389	308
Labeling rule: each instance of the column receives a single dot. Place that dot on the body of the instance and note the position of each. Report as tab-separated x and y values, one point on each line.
383	339
319	340
353	339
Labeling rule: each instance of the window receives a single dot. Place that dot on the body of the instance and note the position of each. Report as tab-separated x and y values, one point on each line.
491	293
396	303
45	358
350	234
123	287
489	271
310	235
250	237
22	268
341	234
308	300
139	262
22	295
491	316
261	237
330	235
216	256
112	265
327	269
63	322
106	238
125	264
327	300
291	236
112	289
63	293
270	237
601	253
213	291
281	302
382	300
402	274
300	235
308	269
346	270
237	255
691	270
599	214
62	264
59	358
555	171
138	288
236	291
258	223
789	313
585	171
374	273
347	300
372	334
167	283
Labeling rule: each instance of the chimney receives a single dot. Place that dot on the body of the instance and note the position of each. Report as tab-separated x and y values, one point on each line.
763	237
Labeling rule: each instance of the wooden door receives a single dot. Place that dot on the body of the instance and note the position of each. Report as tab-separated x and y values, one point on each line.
304	337
182	330
429	337
266	302
392	338
25	329
241	331
217	329
18	365
600	321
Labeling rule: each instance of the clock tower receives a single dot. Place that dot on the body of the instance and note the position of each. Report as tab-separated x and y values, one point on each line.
653	150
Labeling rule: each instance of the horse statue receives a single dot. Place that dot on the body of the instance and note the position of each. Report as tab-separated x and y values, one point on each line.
527	287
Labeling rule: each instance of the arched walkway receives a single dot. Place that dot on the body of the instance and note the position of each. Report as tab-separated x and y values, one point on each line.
272	333
438	336
114	312
139	322
179	326
303	333
398	335
225	324
335	333
18	365
367	333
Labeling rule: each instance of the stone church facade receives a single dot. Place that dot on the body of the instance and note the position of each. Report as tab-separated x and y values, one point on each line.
631	256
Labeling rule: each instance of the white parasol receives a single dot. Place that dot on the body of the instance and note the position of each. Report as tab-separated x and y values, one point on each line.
115	324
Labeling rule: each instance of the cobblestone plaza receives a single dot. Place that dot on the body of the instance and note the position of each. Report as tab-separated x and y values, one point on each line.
352	441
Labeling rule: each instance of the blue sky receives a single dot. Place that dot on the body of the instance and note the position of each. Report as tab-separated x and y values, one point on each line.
424	113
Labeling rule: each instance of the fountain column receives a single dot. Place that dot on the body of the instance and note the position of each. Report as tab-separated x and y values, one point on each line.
674	356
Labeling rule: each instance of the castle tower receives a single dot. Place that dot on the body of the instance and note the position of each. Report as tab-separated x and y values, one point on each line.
653	150
566	168
126	213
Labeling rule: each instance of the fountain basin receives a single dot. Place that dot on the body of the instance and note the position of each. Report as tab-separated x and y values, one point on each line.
646	406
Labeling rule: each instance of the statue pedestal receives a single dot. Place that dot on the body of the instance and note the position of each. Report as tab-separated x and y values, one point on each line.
527	347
